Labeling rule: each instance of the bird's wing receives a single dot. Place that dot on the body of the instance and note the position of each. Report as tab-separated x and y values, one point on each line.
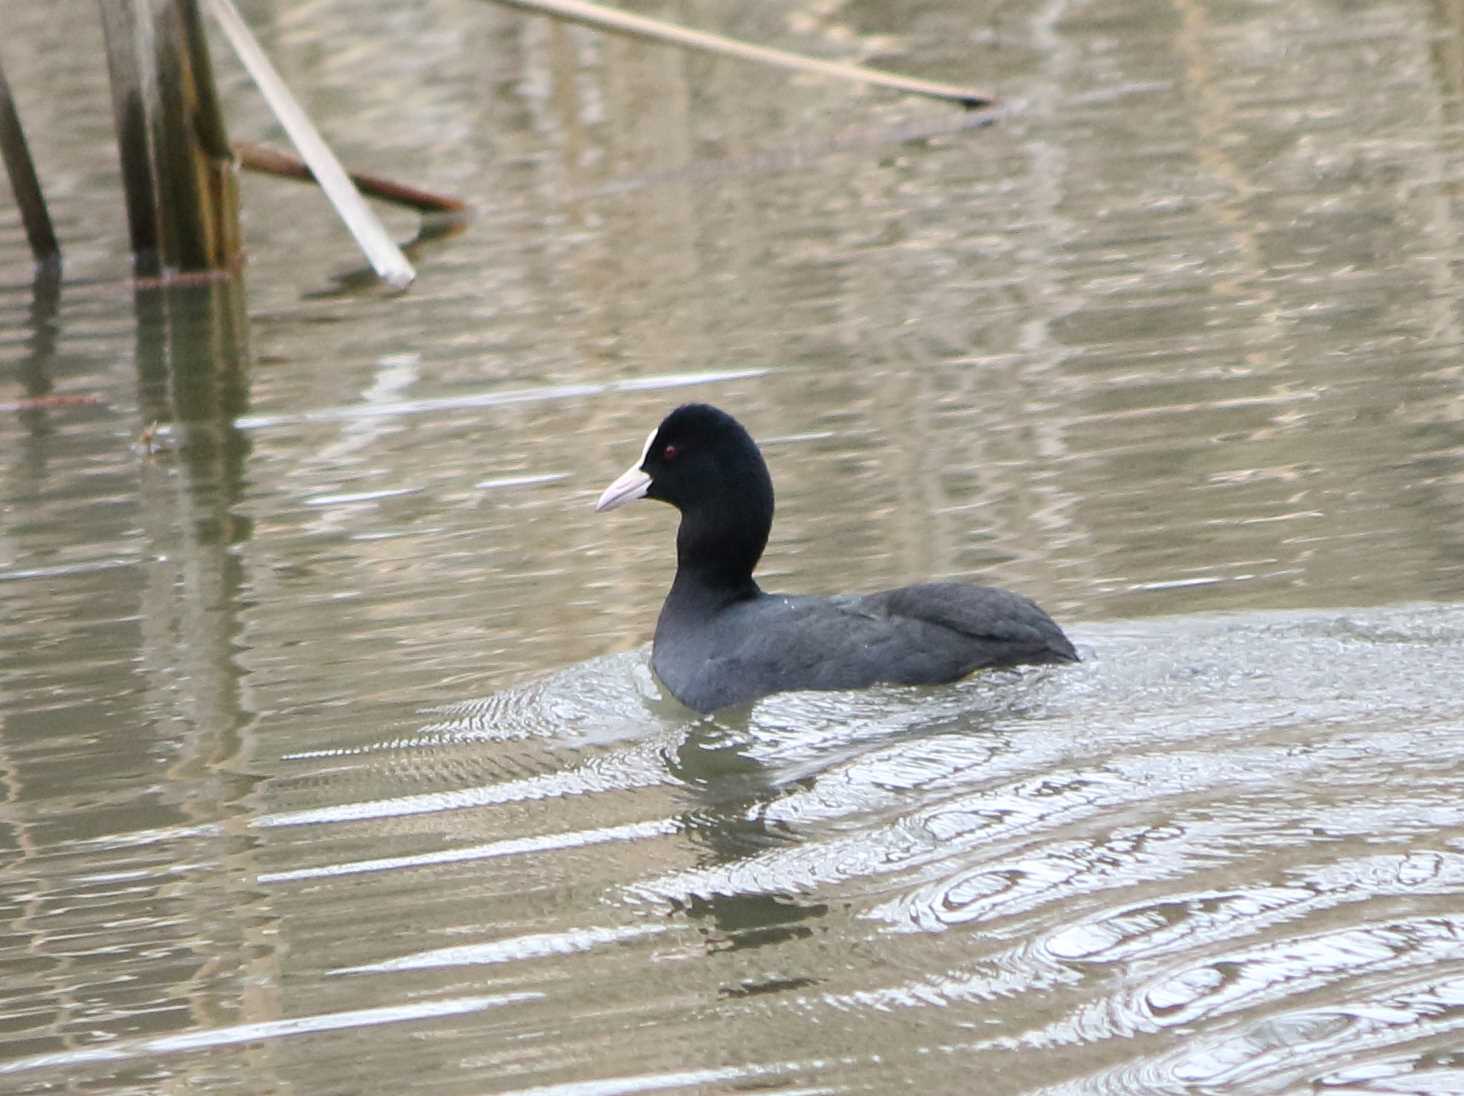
979	612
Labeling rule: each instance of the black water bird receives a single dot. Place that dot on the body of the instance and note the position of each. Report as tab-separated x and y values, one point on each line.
721	640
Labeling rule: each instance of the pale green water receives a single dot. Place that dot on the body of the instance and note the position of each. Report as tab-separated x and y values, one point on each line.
329	759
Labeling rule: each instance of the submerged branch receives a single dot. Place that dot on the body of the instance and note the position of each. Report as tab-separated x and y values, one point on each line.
274	161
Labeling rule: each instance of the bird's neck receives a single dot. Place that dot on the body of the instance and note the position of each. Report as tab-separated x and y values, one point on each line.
716	554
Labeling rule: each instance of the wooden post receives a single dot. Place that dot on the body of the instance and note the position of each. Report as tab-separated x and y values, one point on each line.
182	195
24	183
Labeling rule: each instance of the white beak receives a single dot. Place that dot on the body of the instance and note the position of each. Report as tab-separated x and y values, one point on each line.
631	485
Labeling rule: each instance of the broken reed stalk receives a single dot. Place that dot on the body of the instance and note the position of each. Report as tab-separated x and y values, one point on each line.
383	254
199	187
274	161
213	158
182	198
610	19
24	182
130	92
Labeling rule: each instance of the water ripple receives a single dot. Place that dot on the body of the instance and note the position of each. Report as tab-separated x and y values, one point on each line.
268	1029
513	847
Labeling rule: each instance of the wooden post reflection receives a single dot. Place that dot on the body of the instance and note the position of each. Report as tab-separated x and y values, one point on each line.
193	364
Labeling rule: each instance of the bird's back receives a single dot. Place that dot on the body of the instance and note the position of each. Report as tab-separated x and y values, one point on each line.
915	635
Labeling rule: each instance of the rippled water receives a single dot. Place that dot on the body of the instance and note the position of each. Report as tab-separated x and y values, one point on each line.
330	759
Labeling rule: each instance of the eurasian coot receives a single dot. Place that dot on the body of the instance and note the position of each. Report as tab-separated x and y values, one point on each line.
721	641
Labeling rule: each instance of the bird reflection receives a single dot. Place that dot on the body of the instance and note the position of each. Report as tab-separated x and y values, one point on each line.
729	821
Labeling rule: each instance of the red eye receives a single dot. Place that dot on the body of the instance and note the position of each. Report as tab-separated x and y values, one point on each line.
669	453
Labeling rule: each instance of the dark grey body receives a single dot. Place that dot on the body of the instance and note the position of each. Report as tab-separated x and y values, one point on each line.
712	656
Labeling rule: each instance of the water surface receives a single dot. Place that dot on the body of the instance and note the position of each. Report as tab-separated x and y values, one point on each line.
329	756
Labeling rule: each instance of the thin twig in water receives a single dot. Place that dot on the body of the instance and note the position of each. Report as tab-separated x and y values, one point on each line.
23	182
46	403
601	17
